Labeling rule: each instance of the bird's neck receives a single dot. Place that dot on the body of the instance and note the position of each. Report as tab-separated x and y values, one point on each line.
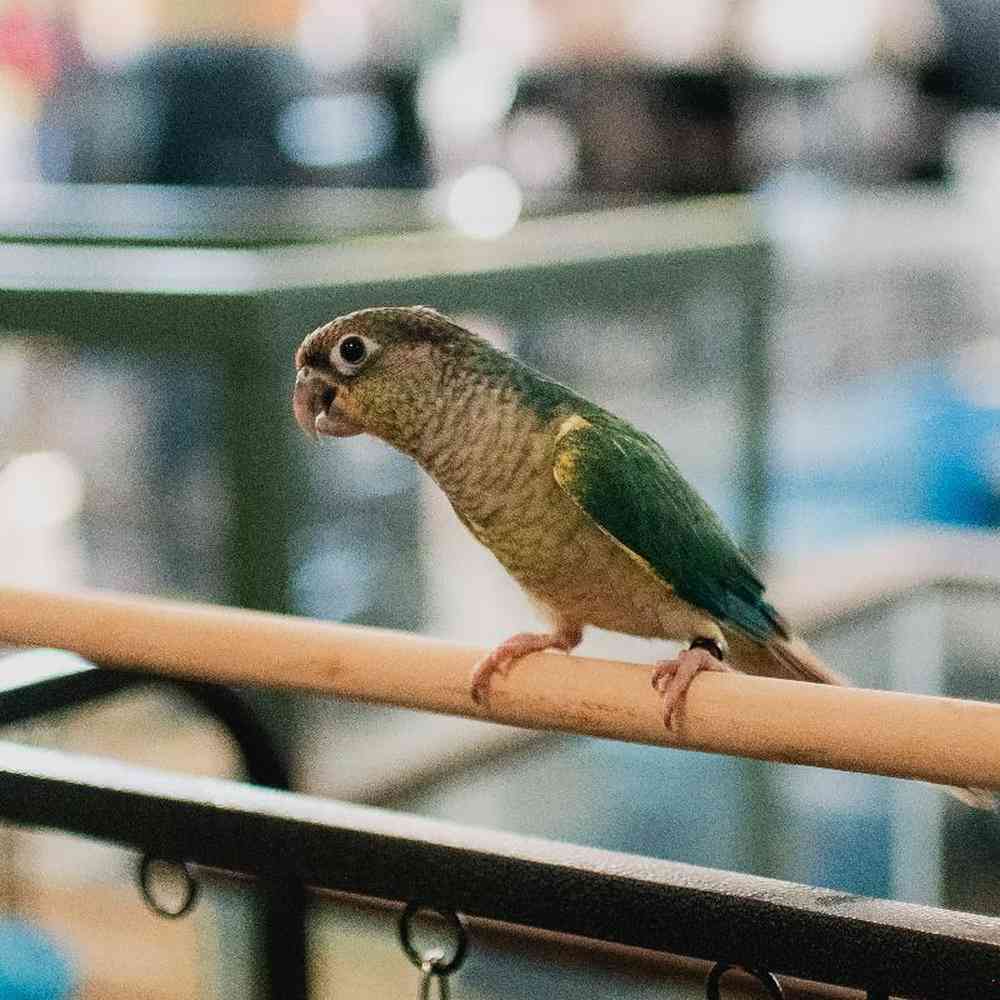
473	435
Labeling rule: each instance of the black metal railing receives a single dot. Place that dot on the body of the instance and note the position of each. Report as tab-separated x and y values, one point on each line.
72	683
282	838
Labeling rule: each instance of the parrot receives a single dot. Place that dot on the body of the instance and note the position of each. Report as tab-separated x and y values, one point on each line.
587	513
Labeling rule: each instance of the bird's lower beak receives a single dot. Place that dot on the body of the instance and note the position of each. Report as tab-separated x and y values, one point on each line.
314	405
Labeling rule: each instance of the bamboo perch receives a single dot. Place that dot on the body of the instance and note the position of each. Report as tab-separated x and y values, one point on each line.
943	740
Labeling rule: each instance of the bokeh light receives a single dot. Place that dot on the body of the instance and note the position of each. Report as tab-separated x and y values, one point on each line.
485	202
39	489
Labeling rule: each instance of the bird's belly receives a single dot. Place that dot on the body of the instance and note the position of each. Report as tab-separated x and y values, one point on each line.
570	567
617	594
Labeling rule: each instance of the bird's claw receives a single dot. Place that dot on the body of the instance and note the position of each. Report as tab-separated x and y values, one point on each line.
673	677
482	675
503	657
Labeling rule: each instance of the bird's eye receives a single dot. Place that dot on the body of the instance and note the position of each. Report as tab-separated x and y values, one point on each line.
351	352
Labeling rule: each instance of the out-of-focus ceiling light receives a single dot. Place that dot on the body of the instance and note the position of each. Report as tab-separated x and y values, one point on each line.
678	33
484	202
113	31
333	35
40	489
464	95
809	37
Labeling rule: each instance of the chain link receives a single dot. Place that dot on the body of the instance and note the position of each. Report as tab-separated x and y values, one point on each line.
147	878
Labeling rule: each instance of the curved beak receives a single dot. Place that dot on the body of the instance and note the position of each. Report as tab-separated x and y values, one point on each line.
313	402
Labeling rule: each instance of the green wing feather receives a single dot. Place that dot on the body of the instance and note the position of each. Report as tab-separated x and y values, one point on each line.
627	483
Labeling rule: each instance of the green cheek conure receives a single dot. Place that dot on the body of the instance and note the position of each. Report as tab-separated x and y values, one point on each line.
587	513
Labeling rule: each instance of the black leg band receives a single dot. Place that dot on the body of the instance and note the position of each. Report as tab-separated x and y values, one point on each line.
711	645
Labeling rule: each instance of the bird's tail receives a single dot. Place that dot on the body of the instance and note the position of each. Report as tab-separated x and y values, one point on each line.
792	659
787	659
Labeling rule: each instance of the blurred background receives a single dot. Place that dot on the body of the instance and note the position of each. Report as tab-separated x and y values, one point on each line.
764	230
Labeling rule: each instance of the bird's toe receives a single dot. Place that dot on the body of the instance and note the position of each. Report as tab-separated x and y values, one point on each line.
673	677
482	675
662	673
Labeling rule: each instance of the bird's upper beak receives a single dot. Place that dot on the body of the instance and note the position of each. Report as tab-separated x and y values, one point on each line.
314	404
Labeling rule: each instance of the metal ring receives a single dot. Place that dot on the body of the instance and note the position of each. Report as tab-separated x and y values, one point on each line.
146	887
762	976
435	958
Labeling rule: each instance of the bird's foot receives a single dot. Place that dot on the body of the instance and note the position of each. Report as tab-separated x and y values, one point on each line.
673	677
502	658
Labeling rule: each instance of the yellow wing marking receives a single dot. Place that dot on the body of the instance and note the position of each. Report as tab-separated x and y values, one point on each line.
572	423
565	460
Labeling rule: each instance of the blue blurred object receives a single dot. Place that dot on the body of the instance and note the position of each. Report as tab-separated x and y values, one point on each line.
958	452
910	446
32	965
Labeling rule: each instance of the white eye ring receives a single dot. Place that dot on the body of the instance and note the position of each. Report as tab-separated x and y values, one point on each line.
352	352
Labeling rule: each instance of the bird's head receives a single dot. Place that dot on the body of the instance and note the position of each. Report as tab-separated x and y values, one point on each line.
373	370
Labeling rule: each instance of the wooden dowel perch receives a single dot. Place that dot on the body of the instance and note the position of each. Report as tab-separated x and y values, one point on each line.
943	740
